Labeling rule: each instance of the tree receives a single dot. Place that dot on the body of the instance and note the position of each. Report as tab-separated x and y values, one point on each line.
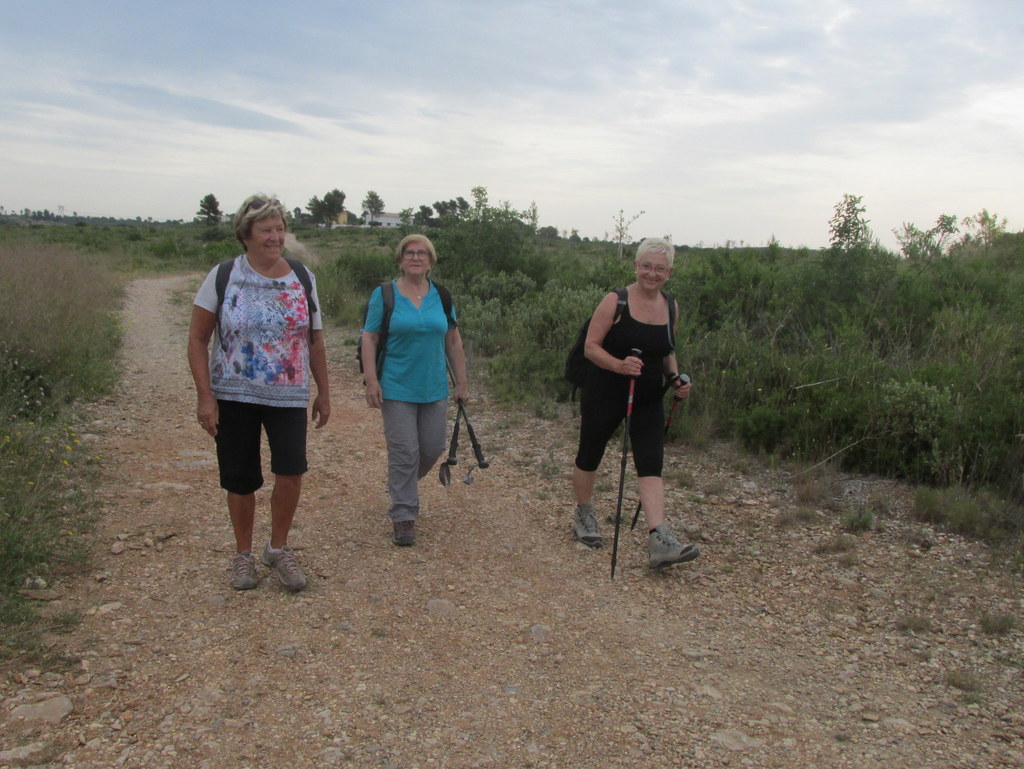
848	229
334	204
622	228
425	217
327	210
317	211
209	210
373	205
932	244
983	227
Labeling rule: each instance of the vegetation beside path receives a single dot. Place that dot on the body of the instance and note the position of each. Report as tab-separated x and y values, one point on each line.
847	357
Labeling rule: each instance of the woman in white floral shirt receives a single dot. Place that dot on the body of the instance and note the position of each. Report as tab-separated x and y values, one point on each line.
268	342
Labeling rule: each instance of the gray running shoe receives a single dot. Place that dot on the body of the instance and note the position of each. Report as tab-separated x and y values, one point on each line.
285	566
404	534
243	571
584	526
665	550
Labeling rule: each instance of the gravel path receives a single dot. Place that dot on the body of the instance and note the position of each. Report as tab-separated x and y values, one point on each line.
497	641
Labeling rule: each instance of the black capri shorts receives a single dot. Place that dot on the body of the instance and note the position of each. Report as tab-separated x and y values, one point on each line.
238	443
601	416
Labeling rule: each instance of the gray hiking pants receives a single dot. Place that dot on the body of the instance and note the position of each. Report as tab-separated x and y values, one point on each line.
415	433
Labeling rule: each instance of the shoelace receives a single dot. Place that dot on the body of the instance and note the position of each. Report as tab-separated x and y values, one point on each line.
666	539
242	566
286	562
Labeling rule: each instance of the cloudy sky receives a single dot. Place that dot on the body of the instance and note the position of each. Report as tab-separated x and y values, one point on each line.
728	120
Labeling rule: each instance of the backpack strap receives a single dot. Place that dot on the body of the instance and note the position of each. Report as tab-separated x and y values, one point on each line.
620	306
221	284
446	303
671	319
387	295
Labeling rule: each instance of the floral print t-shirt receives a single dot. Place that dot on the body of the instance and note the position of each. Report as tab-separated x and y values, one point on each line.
261	344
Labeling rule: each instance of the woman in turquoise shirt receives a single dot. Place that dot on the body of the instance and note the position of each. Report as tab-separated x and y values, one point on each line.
411	389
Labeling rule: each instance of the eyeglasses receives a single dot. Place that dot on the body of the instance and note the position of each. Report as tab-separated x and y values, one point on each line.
657	269
420	254
257	204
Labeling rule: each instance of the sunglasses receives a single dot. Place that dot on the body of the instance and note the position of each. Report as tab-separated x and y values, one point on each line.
257	204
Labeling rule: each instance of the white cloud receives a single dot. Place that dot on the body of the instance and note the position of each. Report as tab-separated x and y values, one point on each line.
738	120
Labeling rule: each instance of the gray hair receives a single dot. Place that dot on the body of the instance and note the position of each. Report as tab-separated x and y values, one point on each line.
256	208
657	246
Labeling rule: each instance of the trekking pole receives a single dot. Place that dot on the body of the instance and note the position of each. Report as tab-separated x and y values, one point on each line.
478	452
622	469
668	423
444	473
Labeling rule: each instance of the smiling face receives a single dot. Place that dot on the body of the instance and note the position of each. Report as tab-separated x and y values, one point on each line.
652	270
265	243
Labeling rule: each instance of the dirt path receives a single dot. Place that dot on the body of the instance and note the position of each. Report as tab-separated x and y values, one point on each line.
497	641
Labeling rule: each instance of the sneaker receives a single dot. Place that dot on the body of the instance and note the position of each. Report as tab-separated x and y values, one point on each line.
404	534
243	571
285	566
584	526
665	549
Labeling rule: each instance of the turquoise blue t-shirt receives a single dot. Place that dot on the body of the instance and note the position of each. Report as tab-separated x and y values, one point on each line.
415	370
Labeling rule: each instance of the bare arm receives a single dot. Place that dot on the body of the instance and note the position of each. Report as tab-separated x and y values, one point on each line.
318	368
374	394
200	331
457	358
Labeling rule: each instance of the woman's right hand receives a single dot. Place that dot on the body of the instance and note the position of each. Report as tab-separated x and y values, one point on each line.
207	414
630	366
374	395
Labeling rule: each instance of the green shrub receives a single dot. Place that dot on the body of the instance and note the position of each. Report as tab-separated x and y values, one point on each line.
61	337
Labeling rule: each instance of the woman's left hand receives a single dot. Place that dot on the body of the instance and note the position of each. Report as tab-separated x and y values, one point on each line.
321	411
374	395
681	390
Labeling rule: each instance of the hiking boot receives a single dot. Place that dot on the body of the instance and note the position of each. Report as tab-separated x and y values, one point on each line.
584	526
243	571
665	549
285	566
404	534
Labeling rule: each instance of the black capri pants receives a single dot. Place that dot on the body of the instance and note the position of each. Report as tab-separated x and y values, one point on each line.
601	414
238	436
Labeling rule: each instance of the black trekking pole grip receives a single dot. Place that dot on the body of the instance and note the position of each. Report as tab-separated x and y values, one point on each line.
622	469
454	447
478	452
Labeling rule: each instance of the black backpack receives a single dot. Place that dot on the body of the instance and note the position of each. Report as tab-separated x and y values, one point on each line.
577	364
387	294
224	274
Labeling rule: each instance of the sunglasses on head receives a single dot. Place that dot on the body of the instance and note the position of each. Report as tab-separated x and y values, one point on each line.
257	204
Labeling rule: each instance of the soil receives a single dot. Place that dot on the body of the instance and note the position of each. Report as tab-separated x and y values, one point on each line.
497	641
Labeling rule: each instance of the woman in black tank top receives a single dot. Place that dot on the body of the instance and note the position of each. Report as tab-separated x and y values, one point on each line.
643	324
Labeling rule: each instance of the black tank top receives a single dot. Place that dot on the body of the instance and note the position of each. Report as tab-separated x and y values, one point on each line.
653	342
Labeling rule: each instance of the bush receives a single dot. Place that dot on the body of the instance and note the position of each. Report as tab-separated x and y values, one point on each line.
61	337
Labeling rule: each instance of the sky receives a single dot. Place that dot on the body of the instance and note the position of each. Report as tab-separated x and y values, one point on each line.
731	120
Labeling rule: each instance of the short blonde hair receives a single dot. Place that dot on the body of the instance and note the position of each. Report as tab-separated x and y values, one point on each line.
656	246
255	208
400	251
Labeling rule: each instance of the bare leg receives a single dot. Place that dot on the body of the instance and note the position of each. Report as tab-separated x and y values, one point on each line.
583	485
283	502
652	495
242	509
